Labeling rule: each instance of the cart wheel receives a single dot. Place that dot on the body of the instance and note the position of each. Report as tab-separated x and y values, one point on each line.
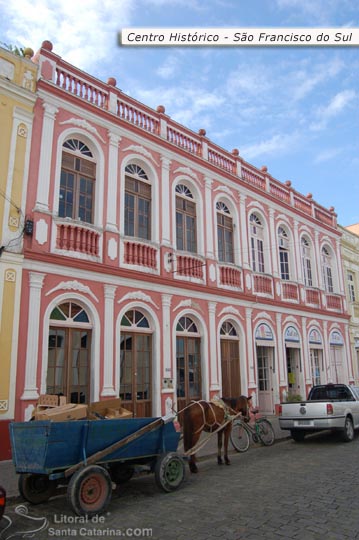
36	488
89	490
121	473
169	471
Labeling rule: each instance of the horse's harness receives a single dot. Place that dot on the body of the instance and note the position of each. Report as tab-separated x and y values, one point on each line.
229	413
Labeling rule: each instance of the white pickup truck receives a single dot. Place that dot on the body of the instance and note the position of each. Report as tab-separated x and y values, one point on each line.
330	406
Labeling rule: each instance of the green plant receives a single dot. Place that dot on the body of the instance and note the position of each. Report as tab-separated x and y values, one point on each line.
293	397
19	51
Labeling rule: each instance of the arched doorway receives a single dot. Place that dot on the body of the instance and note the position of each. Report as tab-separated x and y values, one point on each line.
136	363
231	377
188	361
69	353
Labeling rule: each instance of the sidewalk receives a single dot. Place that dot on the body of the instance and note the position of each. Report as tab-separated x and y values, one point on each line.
9	478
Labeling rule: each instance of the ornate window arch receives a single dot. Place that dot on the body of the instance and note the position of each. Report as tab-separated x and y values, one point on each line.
138	202
186	219
224	233
77	181
256	242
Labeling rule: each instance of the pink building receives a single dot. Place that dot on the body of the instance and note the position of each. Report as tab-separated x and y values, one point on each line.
163	268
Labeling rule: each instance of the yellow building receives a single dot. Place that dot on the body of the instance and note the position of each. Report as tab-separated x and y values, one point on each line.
18	77
350	258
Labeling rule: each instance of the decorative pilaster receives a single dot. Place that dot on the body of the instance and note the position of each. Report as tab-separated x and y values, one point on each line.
297	255
108	386
112	195
306	353
244	231
214	384
250	352
43	186
273	252
209	218
36	281
166	337
281	351
166	202
326	352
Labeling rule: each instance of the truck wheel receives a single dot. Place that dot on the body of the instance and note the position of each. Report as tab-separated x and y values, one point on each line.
348	431
89	491
169	471
297	435
36	488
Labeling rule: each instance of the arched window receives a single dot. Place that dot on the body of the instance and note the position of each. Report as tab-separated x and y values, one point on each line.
77	182
224	233
283	253
69	353
136	363
327	270
188	359
137	203
256	243
307	262
186	233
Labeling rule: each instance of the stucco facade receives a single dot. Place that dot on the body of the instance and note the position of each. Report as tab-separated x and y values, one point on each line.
163	268
17	90
350	257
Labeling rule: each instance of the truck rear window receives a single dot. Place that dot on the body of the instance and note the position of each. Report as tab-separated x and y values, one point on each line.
323	393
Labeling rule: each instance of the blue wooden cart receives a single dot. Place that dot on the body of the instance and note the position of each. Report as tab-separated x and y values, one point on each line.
90	455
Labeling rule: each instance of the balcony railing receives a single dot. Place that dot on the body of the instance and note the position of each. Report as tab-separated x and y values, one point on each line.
312	297
230	277
189	266
108	97
78	238
262	284
140	254
334	302
290	291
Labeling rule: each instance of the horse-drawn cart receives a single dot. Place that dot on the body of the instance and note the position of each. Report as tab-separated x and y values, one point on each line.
91	455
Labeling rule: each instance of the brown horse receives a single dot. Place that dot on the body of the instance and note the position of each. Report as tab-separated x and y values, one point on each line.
207	416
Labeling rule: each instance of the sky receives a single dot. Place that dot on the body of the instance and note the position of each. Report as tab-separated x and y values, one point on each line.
293	109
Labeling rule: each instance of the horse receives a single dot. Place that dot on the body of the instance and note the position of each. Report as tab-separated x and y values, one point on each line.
208	416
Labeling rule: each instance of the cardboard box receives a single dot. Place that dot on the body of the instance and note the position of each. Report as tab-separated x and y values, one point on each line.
71	411
100	407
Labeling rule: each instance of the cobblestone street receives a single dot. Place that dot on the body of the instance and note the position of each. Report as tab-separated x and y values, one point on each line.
288	491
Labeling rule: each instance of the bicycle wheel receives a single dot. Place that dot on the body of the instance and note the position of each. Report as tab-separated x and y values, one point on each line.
265	431
239	437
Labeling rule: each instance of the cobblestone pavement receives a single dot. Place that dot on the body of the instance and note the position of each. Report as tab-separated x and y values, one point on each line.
306	491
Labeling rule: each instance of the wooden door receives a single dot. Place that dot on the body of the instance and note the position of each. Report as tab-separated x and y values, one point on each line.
231	379
189	383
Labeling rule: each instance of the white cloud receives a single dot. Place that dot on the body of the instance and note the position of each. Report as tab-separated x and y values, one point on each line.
327	155
276	144
81	32
337	104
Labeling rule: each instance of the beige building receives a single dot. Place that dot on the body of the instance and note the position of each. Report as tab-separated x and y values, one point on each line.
17	98
350	257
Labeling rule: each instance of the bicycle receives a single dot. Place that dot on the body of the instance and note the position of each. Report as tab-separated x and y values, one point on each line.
261	430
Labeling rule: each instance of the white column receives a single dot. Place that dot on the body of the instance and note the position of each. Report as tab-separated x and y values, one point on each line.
272	249
112	194
306	354
36	282
244	248
168	368
318	261
280	351
209	250
43	186
214	357
108	366
166	203
250	352
326	354
297	255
